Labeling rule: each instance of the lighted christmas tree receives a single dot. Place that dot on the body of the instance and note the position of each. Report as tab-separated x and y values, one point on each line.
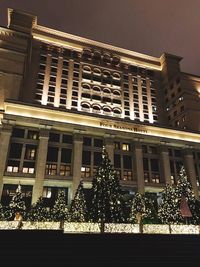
38	212
2	215
184	190
170	208
141	208
59	211
78	209
168	211
17	204
107	198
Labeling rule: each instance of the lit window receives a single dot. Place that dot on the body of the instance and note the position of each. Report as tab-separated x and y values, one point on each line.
127	176
51	169
126	147
85	172
65	170
12	169
47	192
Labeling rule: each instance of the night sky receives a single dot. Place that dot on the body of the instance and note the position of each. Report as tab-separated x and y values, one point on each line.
146	26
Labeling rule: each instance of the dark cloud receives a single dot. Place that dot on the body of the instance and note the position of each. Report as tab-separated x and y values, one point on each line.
150	27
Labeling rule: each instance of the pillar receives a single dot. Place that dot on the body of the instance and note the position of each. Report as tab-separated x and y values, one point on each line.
139	170
165	164
6	132
40	165
77	162
190	170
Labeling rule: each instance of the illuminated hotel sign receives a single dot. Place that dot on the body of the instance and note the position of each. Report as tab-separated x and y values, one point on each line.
122	126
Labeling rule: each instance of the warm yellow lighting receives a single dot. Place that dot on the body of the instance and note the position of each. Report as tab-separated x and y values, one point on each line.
74	119
56	42
141	63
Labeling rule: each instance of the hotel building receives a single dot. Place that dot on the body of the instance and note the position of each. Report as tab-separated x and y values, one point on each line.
62	97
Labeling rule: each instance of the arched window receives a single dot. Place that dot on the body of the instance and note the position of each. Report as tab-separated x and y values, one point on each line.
96	108
96	89
116	60
86	86
86	69
107	58
117	111
106	109
116	93
116	75
97	56
85	105
106	91
97	71
87	53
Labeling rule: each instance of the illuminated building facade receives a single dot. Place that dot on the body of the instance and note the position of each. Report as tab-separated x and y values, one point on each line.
63	97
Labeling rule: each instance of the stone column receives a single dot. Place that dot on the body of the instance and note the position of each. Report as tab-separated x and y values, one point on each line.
77	162
190	170
165	164
109	144
139	170
40	165
5	135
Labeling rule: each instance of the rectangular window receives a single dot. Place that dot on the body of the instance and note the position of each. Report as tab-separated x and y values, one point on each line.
30	152
86	157
17	132
65	170
28	167
51	169
127	175
67	139
97	158
15	150
52	154
127	162
66	155
98	143
12	166
117	161
54	137
33	135
87	141
85	172
126	147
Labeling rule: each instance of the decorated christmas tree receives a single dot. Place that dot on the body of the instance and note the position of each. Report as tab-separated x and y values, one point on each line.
78	209
176	199
59	211
107	199
141	209
16	204
186	199
38	212
168	211
2	215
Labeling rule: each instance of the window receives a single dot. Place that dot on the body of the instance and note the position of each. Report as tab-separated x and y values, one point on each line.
51	169
54	137
52	154
98	143
15	150
85	172
66	155
86	157
17	132
126	147
65	170
12	166
30	152
87	141
33	135
127	175
28	167
117	145
67	139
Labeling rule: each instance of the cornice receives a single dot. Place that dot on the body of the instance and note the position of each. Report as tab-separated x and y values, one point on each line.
80	42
